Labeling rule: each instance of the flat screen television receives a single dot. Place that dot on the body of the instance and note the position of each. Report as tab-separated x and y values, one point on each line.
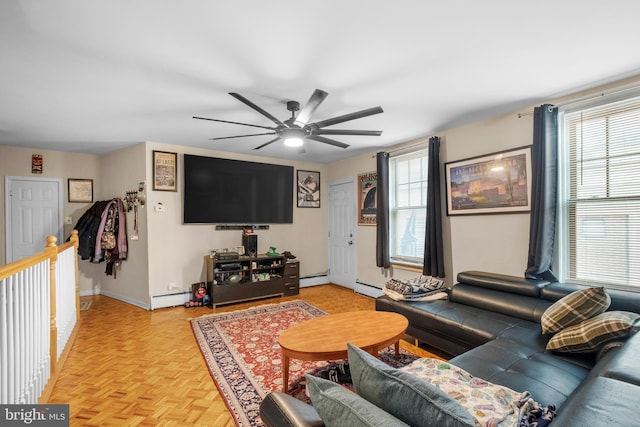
226	191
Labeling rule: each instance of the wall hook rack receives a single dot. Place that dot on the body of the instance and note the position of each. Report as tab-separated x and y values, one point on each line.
132	200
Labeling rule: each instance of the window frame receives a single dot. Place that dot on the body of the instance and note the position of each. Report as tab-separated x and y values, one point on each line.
563	255
402	260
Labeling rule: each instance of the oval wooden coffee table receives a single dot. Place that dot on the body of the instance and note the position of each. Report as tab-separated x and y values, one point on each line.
326	337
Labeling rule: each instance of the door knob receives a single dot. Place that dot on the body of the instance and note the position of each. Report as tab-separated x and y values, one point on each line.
350	242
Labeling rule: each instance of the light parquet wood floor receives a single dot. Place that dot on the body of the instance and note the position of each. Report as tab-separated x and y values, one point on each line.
133	367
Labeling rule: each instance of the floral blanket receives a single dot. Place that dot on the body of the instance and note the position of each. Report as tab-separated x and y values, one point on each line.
490	404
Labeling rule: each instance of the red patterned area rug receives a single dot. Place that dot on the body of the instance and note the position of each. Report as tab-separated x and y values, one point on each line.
242	352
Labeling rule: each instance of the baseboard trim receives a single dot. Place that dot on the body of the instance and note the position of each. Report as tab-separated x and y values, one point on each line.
179	298
170	300
124	299
368	290
313	280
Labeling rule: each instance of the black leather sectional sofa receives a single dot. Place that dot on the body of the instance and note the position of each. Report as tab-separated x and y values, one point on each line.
491	326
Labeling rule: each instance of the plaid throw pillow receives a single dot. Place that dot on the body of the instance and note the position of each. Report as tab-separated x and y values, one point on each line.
588	336
574	308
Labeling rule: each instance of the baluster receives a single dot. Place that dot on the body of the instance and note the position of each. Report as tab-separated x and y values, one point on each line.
4	354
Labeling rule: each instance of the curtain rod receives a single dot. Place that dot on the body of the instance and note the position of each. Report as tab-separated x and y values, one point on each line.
635	87
406	147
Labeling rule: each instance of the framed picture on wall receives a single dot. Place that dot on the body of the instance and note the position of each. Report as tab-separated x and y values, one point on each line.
80	190
165	171
367	204
308	189
490	184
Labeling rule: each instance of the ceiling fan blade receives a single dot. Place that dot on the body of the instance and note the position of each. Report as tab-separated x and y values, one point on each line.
347	132
240	136
235	123
328	141
267	143
255	107
347	117
305	114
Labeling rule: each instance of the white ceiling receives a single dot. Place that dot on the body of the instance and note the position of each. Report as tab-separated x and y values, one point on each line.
97	75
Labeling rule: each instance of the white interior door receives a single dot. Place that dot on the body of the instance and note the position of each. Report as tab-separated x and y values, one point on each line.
33	212
342	233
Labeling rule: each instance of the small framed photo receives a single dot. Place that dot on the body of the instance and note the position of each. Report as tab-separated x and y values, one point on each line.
495	183
308	189
367	200
80	190
165	171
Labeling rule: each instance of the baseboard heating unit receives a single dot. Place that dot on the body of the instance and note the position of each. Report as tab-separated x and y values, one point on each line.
368	290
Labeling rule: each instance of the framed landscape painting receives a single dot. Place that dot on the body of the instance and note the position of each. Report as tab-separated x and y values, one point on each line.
80	190
490	184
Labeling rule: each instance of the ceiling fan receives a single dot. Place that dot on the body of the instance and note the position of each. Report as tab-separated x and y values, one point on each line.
297	128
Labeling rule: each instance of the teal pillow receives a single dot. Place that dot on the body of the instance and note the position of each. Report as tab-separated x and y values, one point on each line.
403	395
338	406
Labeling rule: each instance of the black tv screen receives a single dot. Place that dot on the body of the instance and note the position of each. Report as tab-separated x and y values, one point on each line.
234	191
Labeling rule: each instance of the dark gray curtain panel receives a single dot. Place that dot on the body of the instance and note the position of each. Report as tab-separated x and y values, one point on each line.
544	194
433	248
382	211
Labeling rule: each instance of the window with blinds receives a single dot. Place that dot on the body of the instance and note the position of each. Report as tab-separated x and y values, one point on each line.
602	194
408	206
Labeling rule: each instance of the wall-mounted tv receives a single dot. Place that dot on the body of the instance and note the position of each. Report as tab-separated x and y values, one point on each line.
226	191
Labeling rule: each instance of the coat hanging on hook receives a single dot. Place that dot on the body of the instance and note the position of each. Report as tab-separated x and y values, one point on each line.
102	233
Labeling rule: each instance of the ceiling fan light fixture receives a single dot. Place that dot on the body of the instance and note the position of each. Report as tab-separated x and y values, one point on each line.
293	142
297	128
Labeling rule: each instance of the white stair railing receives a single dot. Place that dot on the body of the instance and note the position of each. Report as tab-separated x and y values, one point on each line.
66	313
36	294
24	335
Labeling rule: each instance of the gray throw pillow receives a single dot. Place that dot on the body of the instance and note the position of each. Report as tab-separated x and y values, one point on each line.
340	407
574	308
403	395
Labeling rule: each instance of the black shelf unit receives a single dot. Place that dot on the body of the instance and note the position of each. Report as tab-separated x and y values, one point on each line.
246	278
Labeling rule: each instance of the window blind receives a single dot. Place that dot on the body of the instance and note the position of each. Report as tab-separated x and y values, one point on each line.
603	206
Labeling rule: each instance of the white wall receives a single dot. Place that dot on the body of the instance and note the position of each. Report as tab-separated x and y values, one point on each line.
494	243
367	271
121	171
16	161
177	250
171	252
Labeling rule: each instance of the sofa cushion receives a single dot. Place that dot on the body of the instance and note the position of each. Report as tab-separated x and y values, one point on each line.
503	282
620	300
490	404
624	365
588	336
457	327
601	401
281	410
414	401
522	366
341	407
574	308
511	304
